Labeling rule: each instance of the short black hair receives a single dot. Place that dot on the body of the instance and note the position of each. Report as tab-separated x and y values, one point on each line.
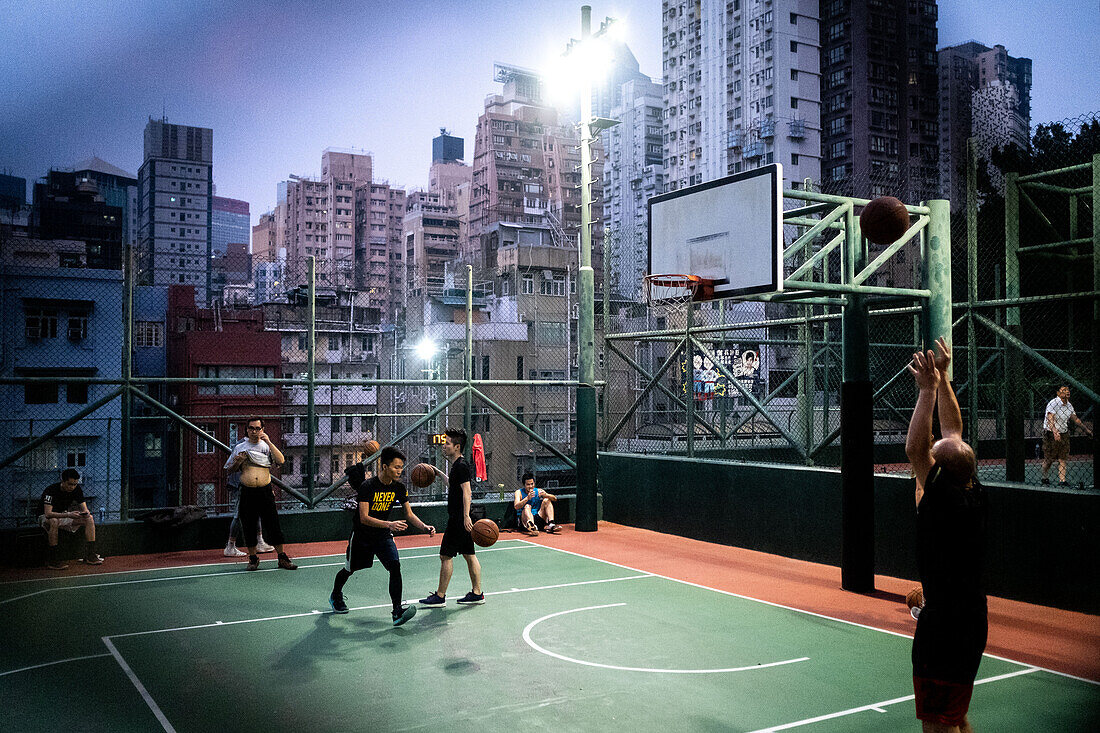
457	436
526	476
255	419
389	453
69	473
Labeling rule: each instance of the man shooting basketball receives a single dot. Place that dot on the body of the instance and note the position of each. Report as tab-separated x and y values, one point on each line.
951	528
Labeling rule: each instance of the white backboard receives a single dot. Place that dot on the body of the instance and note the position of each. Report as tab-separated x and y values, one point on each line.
729	230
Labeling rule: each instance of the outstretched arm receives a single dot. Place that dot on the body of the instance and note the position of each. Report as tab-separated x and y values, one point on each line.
951	421
918	443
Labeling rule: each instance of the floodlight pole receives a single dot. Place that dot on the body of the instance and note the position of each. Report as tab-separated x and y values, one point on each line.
586	390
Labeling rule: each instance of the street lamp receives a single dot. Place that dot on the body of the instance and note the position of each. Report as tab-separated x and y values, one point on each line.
587	55
426	349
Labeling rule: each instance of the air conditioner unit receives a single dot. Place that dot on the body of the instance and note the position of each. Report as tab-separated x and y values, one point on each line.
547	275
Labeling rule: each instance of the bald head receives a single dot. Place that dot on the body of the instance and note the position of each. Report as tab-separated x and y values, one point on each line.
955	457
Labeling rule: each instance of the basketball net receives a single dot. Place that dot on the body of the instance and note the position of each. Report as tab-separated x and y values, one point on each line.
668	293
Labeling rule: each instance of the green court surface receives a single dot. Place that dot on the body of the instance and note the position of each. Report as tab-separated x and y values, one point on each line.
563	643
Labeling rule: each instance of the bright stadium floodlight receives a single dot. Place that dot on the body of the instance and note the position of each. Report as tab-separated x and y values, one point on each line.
426	349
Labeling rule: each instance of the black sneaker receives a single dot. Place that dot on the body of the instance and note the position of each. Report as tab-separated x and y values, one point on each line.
472	599
403	614
433	601
1064	484
336	600
286	564
92	559
1045	482
57	564
253	562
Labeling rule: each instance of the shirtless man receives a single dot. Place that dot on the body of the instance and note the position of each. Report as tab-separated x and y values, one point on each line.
254	457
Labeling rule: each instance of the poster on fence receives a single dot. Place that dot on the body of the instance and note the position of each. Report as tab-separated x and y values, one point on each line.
709	383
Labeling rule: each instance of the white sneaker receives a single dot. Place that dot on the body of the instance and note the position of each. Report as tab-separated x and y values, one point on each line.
262	546
232	551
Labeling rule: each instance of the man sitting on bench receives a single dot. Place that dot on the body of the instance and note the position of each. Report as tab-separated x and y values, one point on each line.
62	506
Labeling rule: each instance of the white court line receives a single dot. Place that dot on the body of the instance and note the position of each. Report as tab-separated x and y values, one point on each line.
547	652
140	687
221	624
801	610
209	564
878	705
227	573
49	664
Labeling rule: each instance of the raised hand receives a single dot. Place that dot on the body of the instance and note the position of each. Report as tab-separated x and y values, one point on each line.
943	356
924	371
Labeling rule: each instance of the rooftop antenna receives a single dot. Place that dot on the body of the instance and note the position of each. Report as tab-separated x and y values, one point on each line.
164	111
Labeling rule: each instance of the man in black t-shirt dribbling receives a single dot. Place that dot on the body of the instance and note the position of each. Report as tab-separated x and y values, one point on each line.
457	539
372	532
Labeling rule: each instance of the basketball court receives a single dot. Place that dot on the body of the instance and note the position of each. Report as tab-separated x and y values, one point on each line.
565	641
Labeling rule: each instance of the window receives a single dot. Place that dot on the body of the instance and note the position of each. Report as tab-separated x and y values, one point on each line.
519	367
555	285
550	333
335	464
302	345
76	393
148	334
236	372
334	424
519	416
333	343
485	366
76	458
553	431
204	494
349	424
794	46
40	394
364	426
528	285
794	158
41	323
202	445
153	447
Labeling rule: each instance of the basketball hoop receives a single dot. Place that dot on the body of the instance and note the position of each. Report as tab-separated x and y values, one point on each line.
668	291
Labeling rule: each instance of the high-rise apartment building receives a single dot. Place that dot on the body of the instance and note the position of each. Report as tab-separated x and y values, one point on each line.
230	223
118	188
526	168
742	88
263	239
319	218
67	206
984	93
633	173
431	239
175	186
879	104
379	266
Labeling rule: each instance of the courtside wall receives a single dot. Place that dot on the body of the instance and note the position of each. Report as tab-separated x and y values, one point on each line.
1042	543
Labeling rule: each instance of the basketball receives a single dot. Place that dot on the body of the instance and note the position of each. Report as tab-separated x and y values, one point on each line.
422	475
485	532
915	598
372	447
884	220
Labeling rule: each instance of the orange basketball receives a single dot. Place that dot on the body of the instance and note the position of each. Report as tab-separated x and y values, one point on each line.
884	220
422	475
371	447
915	598
485	532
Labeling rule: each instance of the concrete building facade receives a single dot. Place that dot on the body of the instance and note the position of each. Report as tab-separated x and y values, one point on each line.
742	89
879	95
175	187
984	93
633	173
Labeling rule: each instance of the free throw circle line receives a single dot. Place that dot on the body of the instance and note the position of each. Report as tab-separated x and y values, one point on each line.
547	652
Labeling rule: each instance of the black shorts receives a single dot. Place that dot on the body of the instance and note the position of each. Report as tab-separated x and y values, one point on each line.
949	642
456	540
364	546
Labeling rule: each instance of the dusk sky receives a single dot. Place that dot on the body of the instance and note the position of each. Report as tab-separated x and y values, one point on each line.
280	81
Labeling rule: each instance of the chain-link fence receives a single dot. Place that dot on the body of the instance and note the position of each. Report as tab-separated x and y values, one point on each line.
761	381
328	358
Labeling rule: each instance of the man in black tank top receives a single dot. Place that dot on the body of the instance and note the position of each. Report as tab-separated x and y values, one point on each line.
951	538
